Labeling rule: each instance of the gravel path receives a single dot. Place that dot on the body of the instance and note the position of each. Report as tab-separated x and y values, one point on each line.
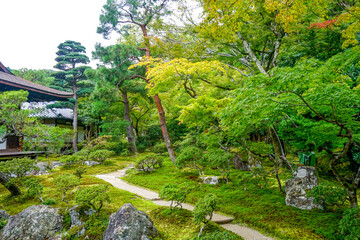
114	179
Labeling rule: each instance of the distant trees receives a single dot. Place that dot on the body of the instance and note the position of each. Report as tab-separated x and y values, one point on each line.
123	15
71	76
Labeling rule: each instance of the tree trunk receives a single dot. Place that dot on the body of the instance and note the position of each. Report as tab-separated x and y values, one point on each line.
278	152
4	180
352	197
129	128
75	120
159	106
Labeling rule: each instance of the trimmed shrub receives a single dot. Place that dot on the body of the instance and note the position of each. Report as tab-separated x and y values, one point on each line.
328	195
69	160
101	155
93	197
191	157
149	162
175	193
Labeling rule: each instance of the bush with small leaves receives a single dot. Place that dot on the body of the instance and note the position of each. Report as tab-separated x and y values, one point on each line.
149	162
328	195
69	160
49	201
64	183
34	188
191	157
101	155
83	155
349	225
18	167
218	158
160	148
93	197
204	210
79	172
102	142
175	193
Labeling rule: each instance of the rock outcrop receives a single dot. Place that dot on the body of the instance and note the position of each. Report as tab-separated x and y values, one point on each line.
76	223
130	224
296	188
36	222
213	180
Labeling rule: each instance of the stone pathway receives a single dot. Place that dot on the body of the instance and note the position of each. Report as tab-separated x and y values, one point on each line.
114	179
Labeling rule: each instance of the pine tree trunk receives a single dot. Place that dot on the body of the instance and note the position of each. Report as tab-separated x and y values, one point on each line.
4	180
75	120
129	128
159	106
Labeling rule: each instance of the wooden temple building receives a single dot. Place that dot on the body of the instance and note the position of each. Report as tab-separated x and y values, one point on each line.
37	93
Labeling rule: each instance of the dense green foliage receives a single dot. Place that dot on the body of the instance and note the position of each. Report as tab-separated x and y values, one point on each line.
245	86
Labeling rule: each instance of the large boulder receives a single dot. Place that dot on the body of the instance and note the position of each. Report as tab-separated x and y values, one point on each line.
36	222
130	224
297	188
76	223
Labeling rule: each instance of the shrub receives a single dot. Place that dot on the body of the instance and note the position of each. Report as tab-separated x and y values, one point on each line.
218	158
149	162
64	183
18	167
49	201
69	160
79	172
34	188
101	155
191	157
83	155
160	148
328	195
204	210
175	193
349	225
102	142
93	197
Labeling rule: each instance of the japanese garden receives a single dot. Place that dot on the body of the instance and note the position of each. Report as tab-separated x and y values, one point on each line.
206	120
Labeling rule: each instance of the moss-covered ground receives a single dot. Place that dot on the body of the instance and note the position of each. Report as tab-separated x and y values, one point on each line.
174	225
249	202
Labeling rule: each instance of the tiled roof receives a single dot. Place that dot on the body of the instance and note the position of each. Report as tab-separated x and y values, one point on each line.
41	111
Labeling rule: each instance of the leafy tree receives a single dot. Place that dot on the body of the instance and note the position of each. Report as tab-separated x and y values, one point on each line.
93	197
101	155
175	193
204	210
149	162
18	167
64	183
121	16
220	159
191	157
117	60
34	188
71	76
43	77
69	160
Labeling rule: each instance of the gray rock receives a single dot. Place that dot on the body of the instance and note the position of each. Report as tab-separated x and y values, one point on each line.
130	224
76	221
4	215
296	188
210	180
36	222
91	163
239	163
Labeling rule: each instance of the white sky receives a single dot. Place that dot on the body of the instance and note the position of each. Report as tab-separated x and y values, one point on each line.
31	30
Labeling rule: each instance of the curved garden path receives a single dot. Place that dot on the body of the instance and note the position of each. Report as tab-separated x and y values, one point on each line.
225	221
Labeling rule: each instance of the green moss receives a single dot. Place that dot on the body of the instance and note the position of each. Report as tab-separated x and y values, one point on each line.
261	209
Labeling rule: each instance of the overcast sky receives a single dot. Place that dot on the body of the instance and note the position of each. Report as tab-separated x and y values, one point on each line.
31	30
